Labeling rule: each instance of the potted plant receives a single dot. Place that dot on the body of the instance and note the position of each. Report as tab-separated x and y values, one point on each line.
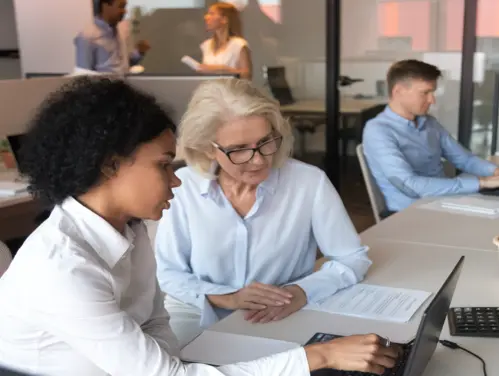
6	155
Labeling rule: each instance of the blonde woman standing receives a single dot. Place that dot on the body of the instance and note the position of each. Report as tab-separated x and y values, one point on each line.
226	51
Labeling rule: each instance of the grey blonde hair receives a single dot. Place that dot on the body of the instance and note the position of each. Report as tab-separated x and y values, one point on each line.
218	101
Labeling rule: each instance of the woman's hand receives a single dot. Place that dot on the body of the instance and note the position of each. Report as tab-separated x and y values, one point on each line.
256	296
364	353
268	314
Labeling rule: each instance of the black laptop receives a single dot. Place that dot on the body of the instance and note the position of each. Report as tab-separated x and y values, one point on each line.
418	352
15	142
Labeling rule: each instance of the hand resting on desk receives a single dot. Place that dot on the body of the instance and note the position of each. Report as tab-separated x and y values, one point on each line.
254	296
268	314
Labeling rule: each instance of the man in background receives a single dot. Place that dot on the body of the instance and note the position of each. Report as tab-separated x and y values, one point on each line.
102	46
404	146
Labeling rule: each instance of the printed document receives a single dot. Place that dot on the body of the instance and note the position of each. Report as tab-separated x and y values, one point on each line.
374	302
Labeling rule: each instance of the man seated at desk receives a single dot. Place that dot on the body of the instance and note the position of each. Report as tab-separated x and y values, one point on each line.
102	47
404	146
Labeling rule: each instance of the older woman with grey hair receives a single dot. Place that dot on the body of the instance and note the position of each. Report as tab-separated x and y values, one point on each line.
243	230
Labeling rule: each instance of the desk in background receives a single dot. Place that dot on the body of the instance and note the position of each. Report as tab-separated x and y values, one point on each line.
354	115
17	213
431	227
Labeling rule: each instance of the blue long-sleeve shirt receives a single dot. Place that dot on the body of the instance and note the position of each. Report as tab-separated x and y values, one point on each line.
204	247
406	161
103	48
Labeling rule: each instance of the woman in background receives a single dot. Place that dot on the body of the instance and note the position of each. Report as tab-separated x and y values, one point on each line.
226	51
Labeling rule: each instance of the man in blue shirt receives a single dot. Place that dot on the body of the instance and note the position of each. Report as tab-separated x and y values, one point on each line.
102	47
404	146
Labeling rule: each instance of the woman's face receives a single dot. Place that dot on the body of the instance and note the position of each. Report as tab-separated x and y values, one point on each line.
214	19
142	184
236	138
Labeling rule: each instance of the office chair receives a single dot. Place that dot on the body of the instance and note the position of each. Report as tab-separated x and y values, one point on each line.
275	78
5	258
376	198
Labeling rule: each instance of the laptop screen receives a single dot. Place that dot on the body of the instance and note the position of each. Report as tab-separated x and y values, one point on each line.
16	141
432	324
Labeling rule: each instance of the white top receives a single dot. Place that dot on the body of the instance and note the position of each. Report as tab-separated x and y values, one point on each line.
229	56
81	299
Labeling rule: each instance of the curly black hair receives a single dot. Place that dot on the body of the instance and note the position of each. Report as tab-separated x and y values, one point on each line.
80	127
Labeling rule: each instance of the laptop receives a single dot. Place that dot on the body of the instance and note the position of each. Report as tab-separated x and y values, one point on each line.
419	351
16	142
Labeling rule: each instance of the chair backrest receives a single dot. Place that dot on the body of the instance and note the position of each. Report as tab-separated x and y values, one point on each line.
5	258
375	196
276	79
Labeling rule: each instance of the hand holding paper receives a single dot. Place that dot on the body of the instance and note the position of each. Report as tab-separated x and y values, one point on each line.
190	62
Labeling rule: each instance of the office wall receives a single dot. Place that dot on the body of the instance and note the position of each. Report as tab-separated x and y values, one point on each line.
9	67
8	35
46	30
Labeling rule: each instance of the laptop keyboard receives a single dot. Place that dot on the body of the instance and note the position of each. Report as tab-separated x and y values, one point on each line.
398	370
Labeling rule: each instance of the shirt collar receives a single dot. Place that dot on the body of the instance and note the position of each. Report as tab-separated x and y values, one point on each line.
421	120
207	186
104	26
109	244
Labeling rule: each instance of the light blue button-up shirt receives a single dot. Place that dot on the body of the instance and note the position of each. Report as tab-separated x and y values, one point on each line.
204	247
103	48
406	161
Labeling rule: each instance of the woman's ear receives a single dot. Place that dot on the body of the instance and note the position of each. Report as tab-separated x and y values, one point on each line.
211	152
111	167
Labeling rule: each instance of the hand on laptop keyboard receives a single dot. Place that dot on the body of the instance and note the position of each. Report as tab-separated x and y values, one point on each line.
364	353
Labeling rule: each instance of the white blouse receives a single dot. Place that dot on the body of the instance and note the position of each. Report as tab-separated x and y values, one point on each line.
228	56
81	299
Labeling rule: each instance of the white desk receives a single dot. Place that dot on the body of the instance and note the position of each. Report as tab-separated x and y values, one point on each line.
431	227
408	268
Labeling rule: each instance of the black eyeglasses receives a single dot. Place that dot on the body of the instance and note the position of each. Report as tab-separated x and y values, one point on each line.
244	155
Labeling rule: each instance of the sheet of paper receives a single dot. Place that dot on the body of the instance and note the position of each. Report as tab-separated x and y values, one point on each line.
374	302
472	204
10	188
449	207
190	62
217	348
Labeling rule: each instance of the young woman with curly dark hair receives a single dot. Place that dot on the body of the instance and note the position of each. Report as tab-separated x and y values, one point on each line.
81	296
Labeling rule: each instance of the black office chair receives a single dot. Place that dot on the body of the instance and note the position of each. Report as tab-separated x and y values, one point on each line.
275	77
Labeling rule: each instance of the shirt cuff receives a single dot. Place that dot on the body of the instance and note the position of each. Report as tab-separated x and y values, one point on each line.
210	314
469	184
490	169
326	282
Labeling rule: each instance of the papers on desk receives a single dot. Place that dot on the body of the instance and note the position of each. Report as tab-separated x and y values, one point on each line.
218	348
472	205
478	206
374	302
10	188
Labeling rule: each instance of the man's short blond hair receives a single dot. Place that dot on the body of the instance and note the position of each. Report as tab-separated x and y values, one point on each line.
216	102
